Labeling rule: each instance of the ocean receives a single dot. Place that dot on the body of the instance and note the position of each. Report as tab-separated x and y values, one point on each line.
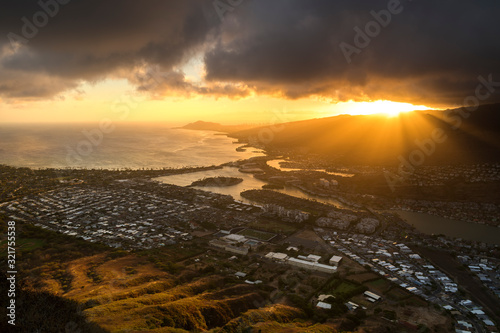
105	146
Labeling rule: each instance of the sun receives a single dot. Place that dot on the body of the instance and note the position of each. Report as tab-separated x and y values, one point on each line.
386	108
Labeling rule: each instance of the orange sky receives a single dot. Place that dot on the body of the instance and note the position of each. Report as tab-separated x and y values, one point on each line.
119	101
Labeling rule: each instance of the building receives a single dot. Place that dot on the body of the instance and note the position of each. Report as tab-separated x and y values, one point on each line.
324	305
372	297
218	243
277	256
324	182
313	258
237	249
253	282
351	306
240	274
335	260
311	265
321	298
235	238
224	245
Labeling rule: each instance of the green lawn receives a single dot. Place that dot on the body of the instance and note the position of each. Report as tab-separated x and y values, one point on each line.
398	294
415	301
257	234
274	226
345	287
380	285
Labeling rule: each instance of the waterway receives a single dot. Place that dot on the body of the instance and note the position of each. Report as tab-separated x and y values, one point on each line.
249	183
431	224
277	165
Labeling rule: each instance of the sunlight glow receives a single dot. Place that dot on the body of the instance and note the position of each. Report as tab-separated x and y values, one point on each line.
387	108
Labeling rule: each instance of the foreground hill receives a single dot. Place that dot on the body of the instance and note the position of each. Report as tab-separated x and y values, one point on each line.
69	285
446	137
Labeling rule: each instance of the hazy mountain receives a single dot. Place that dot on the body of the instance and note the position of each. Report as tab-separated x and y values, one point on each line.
210	126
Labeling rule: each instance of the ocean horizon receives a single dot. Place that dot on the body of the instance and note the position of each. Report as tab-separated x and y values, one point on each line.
115	146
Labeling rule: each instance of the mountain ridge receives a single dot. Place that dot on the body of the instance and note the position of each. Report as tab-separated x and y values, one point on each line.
468	137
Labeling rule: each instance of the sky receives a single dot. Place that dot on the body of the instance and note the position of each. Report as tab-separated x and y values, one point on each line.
241	61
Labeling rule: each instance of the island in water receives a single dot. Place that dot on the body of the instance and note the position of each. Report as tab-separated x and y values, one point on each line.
217	181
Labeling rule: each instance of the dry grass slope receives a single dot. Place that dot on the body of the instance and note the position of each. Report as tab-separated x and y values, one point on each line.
128	293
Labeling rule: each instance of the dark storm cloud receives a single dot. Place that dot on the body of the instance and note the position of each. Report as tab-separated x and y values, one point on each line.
92	34
430	52
91	39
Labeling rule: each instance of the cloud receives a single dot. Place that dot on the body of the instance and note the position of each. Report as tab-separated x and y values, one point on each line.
29	85
431	52
92	40
158	83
